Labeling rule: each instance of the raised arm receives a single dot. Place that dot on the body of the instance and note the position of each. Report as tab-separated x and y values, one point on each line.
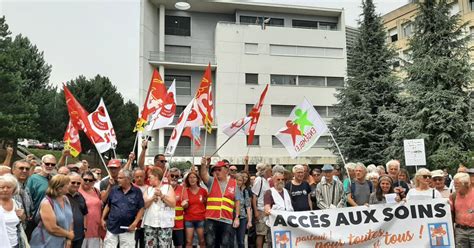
141	158
203	171
8	157
62	160
128	165
246	163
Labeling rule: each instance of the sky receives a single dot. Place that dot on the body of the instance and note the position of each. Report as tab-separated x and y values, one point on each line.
91	37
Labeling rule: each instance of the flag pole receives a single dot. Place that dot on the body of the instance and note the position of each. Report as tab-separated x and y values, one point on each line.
205	144
230	137
192	148
340	153
105	165
115	154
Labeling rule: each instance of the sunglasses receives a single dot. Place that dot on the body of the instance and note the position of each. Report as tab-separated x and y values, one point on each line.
76	183
438	179
217	169
24	168
162	161
233	169
50	164
426	176
174	176
87	180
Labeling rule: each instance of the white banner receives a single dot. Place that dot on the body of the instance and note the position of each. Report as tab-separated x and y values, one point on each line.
413	224
302	129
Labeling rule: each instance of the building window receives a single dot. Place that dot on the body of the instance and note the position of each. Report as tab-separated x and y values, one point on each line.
311	81
321	111
178	25
335	82
251	48
255	141
407	29
332	111
271	21
251	78
283	79
276	142
323	142
283	50
393	35
281	110
305	51
248	108
471	4
305	24
328	26
183	84
178	53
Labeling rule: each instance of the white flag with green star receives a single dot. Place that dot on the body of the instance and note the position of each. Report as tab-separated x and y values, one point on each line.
302	129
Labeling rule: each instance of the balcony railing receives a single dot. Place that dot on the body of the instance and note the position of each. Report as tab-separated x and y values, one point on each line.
186	151
188	58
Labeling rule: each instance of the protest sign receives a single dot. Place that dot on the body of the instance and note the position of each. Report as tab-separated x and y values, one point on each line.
412	224
414	150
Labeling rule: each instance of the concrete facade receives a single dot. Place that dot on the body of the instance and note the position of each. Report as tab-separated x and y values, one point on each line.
313	58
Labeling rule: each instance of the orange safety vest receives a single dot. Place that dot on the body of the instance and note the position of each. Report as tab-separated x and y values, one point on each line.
179	211
218	206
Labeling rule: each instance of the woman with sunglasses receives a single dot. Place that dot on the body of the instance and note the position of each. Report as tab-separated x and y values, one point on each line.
94	208
158	220
422	190
194	204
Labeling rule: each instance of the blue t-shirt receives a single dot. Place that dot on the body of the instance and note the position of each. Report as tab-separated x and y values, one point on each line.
123	208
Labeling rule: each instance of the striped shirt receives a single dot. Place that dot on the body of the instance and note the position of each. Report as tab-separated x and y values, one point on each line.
328	194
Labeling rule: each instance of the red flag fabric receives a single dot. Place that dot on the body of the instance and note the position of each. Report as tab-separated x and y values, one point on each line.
255	114
71	138
155	98
78	117
194	134
202	111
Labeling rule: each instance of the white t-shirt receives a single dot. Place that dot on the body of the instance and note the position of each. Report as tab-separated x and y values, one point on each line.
158	214
261	186
415	194
11	221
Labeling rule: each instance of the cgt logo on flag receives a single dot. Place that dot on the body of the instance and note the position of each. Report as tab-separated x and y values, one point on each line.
302	130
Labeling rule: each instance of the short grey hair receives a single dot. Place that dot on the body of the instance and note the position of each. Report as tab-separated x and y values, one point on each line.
11	180
361	165
392	162
261	167
74	174
137	169
51	156
297	167
21	161
174	169
371	168
371	175
278	168
127	173
463	178
276	173
350	166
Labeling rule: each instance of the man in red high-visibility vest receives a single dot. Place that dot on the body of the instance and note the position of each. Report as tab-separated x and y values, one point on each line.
223	204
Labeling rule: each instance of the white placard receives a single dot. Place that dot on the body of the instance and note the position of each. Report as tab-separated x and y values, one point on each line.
414	152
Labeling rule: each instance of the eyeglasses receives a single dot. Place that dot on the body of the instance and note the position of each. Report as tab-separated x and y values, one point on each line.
438	179
87	180
76	183
426	176
174	176
233	169
217	169
24	168
49	164
162	161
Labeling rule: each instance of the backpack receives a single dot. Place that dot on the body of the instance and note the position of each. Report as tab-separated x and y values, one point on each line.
353	187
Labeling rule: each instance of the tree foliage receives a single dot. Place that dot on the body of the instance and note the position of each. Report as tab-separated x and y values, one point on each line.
436	104
362	127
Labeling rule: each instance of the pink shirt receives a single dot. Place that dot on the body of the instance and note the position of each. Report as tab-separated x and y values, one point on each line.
94	207
464	209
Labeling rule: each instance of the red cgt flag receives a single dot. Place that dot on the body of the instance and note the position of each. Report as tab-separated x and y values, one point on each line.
255	114
155	99
71	138
78	117
201	113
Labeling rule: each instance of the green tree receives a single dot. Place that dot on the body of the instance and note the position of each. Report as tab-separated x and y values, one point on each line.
437	107
362	127
18	115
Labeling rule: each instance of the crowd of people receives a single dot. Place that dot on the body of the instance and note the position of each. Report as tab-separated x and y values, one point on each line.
52	204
